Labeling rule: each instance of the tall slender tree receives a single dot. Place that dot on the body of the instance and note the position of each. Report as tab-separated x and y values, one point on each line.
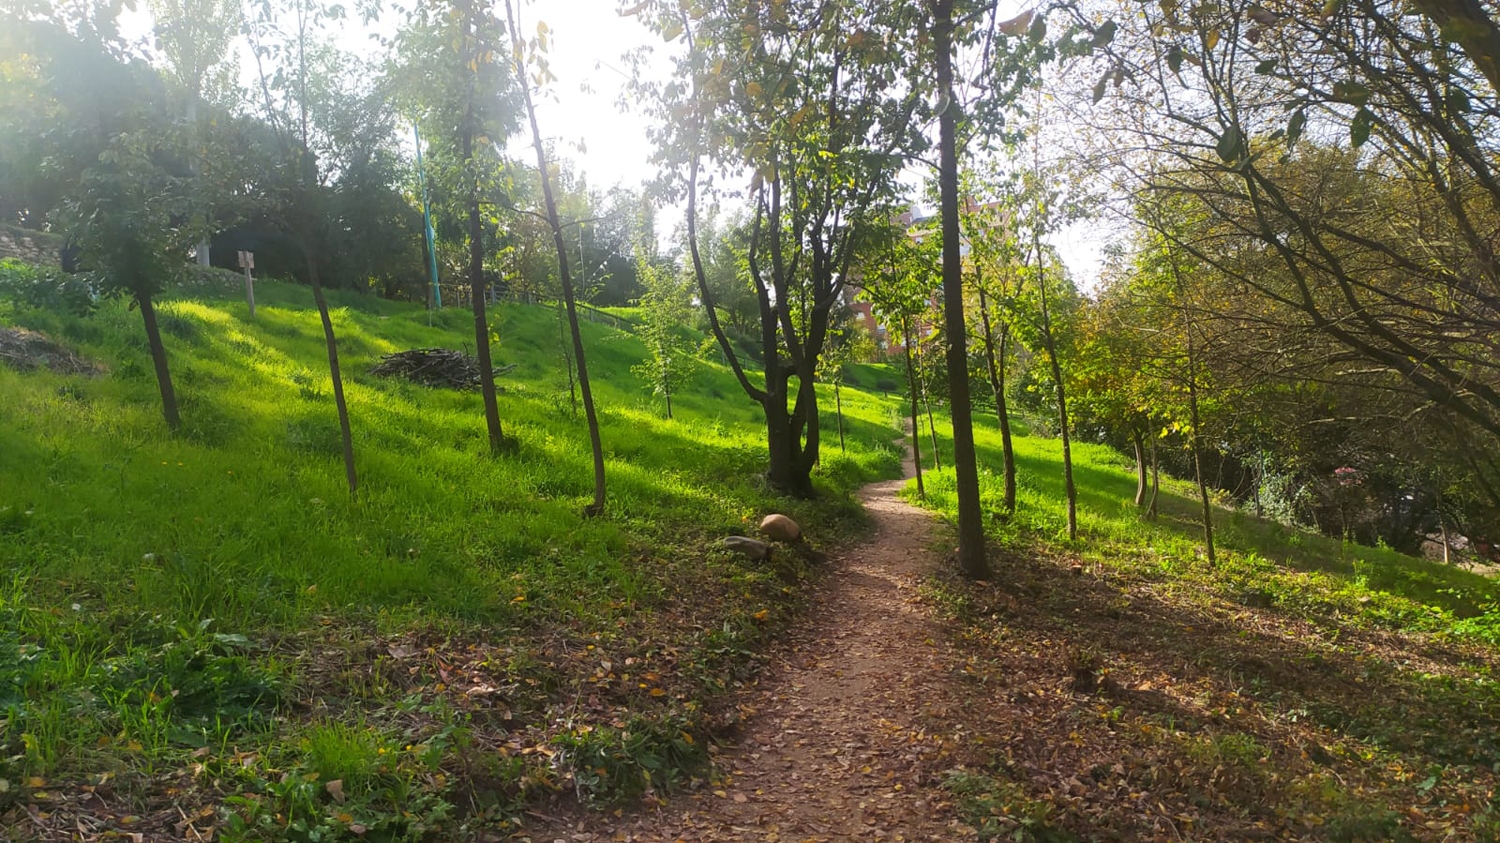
452	78
529	56
971	552
284	37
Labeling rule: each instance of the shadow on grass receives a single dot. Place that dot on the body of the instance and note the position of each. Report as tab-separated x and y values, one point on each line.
1239	720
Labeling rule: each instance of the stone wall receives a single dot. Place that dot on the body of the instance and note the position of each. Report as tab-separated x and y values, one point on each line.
35	247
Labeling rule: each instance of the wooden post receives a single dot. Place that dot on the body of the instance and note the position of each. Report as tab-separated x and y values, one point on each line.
247	262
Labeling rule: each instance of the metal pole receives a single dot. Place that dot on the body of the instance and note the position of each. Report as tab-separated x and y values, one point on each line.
437	295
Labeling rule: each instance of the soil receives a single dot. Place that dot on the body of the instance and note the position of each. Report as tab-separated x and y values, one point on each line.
849	731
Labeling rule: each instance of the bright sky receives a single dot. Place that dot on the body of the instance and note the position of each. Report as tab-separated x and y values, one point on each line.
582	108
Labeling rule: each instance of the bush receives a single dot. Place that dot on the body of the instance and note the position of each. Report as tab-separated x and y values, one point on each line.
46	289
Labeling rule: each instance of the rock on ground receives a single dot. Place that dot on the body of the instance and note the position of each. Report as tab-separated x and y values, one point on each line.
780	528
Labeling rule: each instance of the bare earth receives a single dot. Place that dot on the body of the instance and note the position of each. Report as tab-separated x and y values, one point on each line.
851	727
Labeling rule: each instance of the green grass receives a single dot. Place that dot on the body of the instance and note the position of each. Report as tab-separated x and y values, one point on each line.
236	543
1260	559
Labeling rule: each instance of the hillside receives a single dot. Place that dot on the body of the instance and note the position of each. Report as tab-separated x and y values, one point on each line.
207	614
207	623
1299	689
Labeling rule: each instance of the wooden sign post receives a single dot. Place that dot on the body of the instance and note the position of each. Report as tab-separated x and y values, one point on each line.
247	263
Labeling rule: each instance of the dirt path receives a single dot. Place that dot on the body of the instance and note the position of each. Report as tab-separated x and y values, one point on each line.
853	724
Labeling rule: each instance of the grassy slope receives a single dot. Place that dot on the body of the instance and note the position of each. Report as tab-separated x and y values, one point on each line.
1300	688
126	549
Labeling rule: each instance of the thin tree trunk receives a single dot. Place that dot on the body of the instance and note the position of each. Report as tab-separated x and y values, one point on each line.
1155	481
476	295
1139	442
346	433
565	342
916	430
937	458
839	403
997	384
1442	525
1062	397
971	551
1194	419
159	361
597	507
1208	519
1260	479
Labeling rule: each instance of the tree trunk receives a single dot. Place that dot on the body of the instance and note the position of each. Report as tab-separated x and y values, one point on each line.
785	471
997	384
1208	519
1260	480
839	404
331	342
971	553
159	361
1139	442
1155	481
916	429
592	419
1062	396
476	295
937	457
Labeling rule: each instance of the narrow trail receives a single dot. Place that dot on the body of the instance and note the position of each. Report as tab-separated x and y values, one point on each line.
849	730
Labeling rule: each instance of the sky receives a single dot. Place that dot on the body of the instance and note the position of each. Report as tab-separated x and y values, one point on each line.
582	112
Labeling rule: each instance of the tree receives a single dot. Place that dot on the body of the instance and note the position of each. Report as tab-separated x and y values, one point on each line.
526	55
1344	167
461	92
288	111
994	258
666	308
1039	219
898	282
121	217
194	37
810	112
1164	312
971	554
839	353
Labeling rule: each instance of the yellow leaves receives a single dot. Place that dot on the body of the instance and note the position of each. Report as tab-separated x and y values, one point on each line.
1211	40
657	692
761	615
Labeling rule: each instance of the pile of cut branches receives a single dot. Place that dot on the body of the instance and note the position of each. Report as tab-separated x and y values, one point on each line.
439	367
25	350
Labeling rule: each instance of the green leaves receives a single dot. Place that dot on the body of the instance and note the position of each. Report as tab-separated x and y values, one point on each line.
1294	126
1352	92
1457	100
1104	35
1231	145
1174	58
1359	129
